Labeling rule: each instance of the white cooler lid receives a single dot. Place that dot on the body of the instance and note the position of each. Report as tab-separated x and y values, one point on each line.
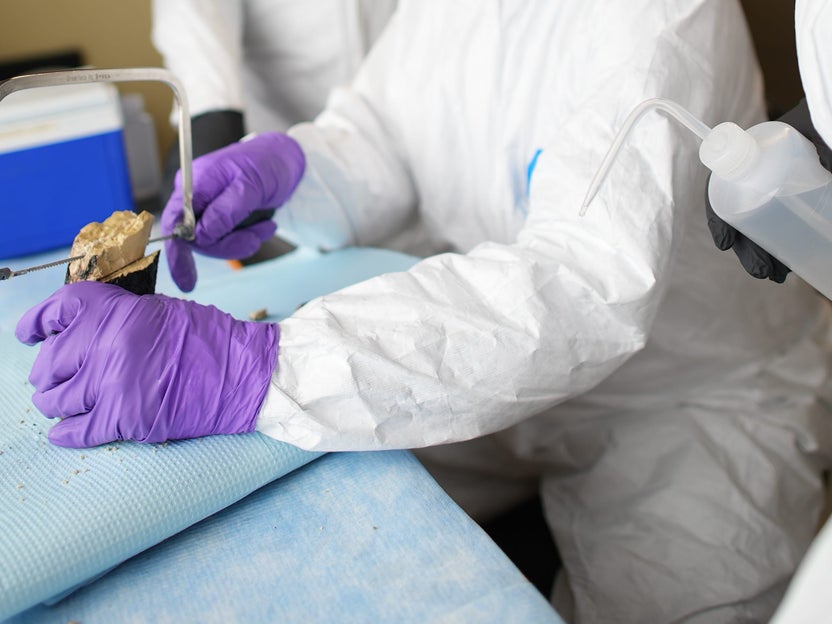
46	115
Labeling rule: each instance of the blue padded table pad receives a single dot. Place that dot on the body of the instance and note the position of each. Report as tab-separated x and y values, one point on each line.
68	515
351	537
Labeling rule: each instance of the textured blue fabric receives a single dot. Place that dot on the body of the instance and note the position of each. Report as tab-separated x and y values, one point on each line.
67	515
352	537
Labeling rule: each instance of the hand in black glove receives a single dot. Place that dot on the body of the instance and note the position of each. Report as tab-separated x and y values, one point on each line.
209	131
754	259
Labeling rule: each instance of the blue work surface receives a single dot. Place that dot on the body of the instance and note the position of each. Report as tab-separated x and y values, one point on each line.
68	515
348	537
351	537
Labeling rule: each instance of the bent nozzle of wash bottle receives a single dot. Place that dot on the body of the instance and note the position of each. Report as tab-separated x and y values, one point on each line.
676	111
767	182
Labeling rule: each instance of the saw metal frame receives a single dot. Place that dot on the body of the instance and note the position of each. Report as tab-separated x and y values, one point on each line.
185	229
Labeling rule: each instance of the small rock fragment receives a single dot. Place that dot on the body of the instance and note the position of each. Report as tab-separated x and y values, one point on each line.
258	315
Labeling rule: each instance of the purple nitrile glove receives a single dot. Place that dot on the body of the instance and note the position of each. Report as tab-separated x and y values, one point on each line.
229	184
118	366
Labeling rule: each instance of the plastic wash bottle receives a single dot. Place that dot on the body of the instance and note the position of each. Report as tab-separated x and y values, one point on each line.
767	182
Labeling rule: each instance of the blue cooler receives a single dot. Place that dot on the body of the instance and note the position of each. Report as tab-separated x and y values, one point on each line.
62	165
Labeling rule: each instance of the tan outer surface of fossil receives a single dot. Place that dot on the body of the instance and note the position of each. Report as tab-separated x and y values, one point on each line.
109	246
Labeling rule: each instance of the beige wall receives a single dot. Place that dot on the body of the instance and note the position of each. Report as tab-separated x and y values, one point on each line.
109	33
772	25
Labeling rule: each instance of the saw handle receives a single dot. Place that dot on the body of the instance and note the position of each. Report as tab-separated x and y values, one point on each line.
262	214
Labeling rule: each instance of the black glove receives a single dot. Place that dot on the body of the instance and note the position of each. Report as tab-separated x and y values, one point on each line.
209	131
754	259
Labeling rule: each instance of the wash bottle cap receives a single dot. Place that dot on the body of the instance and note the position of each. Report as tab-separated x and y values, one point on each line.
729	151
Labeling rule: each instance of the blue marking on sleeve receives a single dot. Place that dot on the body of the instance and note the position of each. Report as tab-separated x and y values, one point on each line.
530	170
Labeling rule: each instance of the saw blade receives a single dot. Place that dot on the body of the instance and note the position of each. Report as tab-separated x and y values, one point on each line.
7	273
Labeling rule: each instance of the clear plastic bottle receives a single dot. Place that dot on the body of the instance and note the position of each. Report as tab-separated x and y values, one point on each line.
767	182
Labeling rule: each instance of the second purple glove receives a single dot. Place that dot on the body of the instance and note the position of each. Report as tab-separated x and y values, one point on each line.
118	366
229	184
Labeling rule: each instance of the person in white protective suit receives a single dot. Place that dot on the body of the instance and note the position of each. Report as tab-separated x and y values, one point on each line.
664	405
808	598
257	65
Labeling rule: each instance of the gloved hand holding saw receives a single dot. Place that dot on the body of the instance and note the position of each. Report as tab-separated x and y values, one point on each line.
230	184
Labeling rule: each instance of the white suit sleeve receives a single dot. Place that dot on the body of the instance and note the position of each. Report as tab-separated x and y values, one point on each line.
201	42
808	599
464	345
813	26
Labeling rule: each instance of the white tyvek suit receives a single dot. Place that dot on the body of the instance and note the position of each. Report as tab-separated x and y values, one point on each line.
661	399
813	30
273	60
808	598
